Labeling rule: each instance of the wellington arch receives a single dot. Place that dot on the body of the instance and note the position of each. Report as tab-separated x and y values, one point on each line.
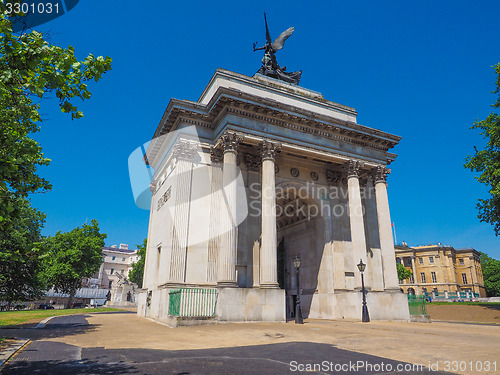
257	172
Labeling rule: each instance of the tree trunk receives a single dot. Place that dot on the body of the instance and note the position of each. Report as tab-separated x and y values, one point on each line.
70	299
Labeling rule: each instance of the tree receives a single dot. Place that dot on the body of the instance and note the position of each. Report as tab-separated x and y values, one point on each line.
137	273
31	68
491	275
71	256
403	272
20	259
487	163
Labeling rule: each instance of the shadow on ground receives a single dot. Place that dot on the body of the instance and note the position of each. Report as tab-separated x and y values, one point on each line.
66	325
46	357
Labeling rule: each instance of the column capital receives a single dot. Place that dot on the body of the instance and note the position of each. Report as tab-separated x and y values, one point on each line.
230	141
380	173
353	167
184	150
268	149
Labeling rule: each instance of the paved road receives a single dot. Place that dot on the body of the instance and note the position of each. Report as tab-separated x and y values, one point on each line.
49	357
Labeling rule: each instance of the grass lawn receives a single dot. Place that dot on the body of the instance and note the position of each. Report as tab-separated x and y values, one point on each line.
8	318
467	303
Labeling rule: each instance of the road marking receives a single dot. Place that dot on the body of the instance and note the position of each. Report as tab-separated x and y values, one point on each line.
12	350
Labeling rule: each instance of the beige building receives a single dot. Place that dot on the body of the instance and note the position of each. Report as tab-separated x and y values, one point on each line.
252	175
442	271
116	261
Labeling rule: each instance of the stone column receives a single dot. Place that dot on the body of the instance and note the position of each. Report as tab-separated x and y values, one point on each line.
268	249
385	230
226	260
358	236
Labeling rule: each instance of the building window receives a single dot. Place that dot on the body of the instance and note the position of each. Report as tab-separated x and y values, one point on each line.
121	272
398	260
464	278
431	260
461	262
123	259
158	259
113	258
433	276
112	270
420	260
422	277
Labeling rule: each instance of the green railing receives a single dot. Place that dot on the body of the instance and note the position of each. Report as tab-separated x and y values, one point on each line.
417	305
192	302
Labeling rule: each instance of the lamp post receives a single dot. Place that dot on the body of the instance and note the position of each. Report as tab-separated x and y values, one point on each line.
298	310
365	316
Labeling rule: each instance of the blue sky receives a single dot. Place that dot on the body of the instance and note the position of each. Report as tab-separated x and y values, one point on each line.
421	70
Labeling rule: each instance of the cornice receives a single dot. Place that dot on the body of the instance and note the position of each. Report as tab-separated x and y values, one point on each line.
227	100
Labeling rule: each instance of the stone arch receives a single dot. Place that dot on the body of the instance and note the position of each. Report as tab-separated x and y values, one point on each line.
301	231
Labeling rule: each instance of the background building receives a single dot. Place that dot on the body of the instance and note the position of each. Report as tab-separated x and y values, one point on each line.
116	260
442	271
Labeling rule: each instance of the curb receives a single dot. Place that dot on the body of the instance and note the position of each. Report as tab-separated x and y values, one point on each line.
44	322
11	350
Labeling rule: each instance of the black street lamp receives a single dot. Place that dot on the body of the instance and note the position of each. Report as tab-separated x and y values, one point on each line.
298	309
365	316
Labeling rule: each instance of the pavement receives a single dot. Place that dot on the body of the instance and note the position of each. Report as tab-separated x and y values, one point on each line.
123	343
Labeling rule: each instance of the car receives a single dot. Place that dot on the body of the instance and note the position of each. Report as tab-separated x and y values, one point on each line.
45	306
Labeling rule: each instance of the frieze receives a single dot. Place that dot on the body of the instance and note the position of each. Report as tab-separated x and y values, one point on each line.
216	155
333	177
252	162
184	150
164	198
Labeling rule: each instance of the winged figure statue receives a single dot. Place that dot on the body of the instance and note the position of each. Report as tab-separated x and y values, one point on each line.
270	66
